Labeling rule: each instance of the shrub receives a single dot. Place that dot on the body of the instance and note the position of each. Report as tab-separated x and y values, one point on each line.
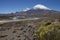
50	32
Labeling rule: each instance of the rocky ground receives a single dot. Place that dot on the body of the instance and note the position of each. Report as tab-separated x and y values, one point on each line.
17	31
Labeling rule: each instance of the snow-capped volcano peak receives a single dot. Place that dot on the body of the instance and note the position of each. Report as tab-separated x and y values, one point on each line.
40	6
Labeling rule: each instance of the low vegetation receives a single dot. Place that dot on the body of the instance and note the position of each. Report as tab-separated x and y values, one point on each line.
48	32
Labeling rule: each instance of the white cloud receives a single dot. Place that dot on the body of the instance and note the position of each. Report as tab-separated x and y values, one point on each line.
40	6
26	9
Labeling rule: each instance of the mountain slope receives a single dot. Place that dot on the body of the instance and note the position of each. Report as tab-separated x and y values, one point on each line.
36	11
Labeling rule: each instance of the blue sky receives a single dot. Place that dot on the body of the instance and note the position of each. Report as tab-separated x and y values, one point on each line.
7	6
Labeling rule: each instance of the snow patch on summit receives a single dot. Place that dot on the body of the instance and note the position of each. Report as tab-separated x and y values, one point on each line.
26	9
40	6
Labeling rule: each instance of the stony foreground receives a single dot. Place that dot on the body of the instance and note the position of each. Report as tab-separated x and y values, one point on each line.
15	31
